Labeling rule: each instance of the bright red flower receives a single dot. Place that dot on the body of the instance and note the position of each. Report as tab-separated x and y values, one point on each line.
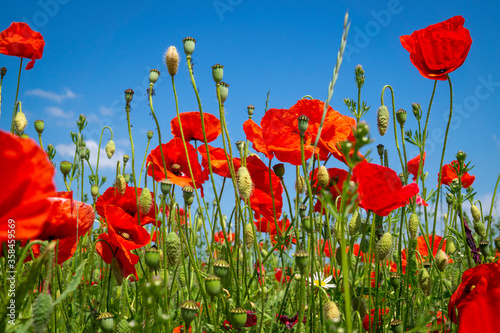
219	237
414	164
438	49
28	183
420	201
477	299
218	161
449	175
20	41
437	325
422	246
380	188
177	164
191	126
127	202
368	322
126	259
280	277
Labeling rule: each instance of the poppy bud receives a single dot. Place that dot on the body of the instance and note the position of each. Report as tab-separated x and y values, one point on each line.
110	148
145	201
401	116
441	260
331	311
212	285
307	224
476	214
480	229
154	74
39	126
152	257
380	150
217	72
300	185
248	235
65	167
150	135
424	281
224	90
166	186
302	210
301	260
383	246
238	318
127	178
189	43
240	145
360	76
117	270
323	177
250	110
221	268
188	194
354	223
129	94
382	119
20	121
450	246
173	248
245	184
3	71
365	245
106	321
397	326
449	199
461	156
395	280
120	184
94	190
279	170
189	309
172	60
417	110
413	225
497	243
303	123
125	158
484	247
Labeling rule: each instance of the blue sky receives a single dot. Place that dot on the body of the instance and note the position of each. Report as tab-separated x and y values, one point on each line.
96	50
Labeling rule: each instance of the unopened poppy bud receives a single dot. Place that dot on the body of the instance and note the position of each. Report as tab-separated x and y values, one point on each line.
450	246
212	285
65	167
307	223
480	229
301	260
331	311
245	184
382	119
117	270
3	71
424	280
401	116
20	121
221	268
127	178
39	126
441	260
323	177
354	223
154	74
360	76
150	135
121	184
303	123
461	156
217	72
240	145
166	186
402	178
300	184
110	148
189	43
145	201
188	194
94	190
484	247
238	318
106	321
383	246
302	210
152	257
172	60
224	90
279	170
380	150
250	110
173	248
413	225
417	110
129	94
476	214
449	199
189	309
248	235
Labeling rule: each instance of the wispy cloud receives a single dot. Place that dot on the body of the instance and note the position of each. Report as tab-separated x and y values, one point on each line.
52	95
67	151
57	112
105	112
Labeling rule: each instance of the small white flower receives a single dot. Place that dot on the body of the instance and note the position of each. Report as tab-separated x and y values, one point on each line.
319	281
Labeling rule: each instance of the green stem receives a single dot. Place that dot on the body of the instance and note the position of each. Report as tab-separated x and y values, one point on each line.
12	127
127	108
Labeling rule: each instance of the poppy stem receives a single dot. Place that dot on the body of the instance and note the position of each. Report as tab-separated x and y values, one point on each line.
15	101
127	108
491	206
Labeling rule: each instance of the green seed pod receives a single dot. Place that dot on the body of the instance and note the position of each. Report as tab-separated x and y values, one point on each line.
3	71
307	224
173	248
127	178
301	260
331	311
172	60
383	246
129	95
395	280
476	214
441	260
279	170
106	321
323	177
354	223
250	111
359	305
245	184
484	247
125	158
110	148
65	167
450	246
397	326
238	318
145	201
480	228
217	72
152	257
117	270
166	186
497	243
382	119
188	195
189	43
212	285
413	225
42	310
401	116
248	235
303	123
221	268
39	126
154	74
224	91
150	135
121	184
189	309
300	185
94	190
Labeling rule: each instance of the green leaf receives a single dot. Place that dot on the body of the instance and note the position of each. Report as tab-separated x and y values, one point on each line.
73	284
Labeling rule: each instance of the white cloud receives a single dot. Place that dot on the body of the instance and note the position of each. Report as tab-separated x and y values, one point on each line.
58	112
105	112
67	151
52	95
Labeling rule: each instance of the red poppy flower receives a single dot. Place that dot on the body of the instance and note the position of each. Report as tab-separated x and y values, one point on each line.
380	188
280	277
219	237
449	175
20	41
437	324
414	164
290	322
438	49
218	161
191	126
477	299
126	259
368	322
419	201
177	164
27	185
127	202
422	246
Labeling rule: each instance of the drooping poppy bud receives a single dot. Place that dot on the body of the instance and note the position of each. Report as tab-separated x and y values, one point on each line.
145	201
172	60
245	184
20	121
383	246
120	184
382	119
441	260
110	148
248	235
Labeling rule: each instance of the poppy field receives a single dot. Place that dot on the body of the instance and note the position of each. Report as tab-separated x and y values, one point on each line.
319	234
